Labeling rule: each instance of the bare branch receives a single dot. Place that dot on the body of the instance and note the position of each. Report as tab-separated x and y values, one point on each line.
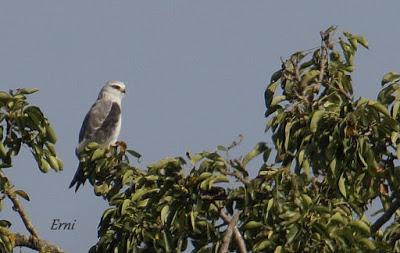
238	237
24	216
385	216
31	242
228	233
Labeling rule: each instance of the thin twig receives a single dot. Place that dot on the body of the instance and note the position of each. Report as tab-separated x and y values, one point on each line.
385	216
324	58
238	237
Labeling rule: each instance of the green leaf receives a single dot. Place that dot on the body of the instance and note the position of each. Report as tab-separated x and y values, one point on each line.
127	177
44	166
53	162
4	96
269	93
51	134
92	145
258	149
269	206
368	244
277	99
390	77
395	109
307	199
398	151
97	154
134	153
337	217
309	76
166	242
292	234
164	214
27	90
288	126
222	148
361	226
124	206
218	179
204	176
316	117
252	225
307	168
342	186
22	194
363	41
379	107
60	164
278	249
3	152
141	192
275	76
263	245
193	215
5	223
101	189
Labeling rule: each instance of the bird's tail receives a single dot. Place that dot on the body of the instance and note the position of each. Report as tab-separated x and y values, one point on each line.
78	179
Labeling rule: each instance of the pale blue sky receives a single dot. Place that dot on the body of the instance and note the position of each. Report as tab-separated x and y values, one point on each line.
195	74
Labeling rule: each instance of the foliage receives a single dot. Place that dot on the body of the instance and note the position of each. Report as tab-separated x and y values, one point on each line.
333	156
22	124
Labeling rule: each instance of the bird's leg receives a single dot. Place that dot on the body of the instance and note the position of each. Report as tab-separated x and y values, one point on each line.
121	145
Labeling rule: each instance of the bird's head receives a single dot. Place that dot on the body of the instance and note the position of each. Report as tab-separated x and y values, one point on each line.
113	89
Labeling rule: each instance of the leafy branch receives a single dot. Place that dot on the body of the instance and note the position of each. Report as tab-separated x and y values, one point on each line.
22	124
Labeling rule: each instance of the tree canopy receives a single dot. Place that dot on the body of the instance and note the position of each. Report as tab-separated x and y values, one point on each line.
332	156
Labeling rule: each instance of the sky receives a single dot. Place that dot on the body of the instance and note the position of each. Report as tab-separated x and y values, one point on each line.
195	73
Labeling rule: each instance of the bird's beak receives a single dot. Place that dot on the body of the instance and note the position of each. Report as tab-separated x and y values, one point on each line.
123	91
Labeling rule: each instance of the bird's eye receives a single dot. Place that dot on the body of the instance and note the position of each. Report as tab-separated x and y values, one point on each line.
116	87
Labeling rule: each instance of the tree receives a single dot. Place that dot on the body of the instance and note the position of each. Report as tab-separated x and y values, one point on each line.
23	124
332	156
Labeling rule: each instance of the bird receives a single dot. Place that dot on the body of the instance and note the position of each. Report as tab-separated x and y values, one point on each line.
102	123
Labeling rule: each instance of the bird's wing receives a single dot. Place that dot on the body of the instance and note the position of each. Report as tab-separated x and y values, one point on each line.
100	122
100	125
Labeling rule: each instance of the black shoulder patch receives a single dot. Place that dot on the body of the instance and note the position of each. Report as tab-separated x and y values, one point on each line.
109	125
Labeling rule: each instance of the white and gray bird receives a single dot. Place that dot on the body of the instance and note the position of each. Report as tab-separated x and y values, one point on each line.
102	123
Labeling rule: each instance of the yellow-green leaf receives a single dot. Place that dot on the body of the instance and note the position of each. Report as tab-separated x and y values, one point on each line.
258	149
44	166
390	77
4	95
3	152
361	226
252	225
277	99
278	249
98	153
164	214
53	162
51	134
342	186
124	206
316	117
379	107
362	40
